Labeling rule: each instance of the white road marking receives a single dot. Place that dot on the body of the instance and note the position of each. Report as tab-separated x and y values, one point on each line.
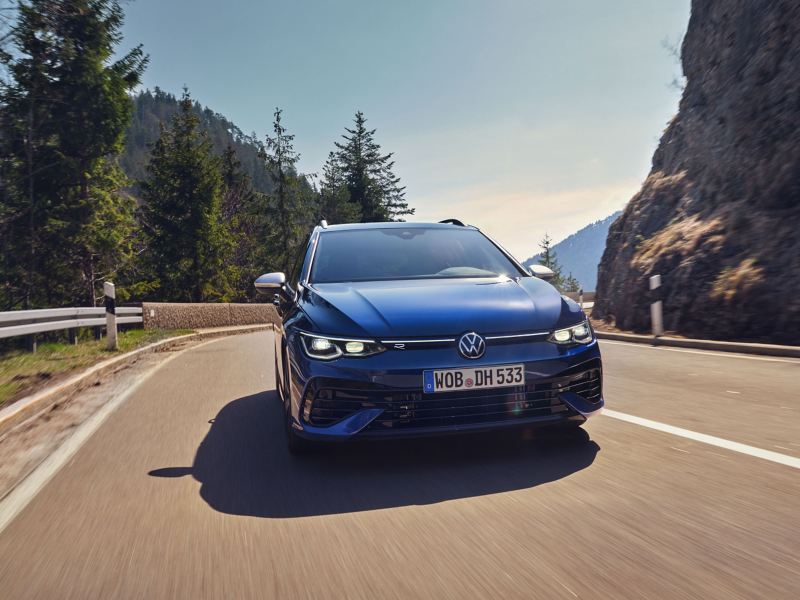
569	590
732	392
703	352
562	584
679	450
26	491
783	459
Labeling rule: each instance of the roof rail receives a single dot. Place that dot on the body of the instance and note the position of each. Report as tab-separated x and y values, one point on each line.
453	222
323	223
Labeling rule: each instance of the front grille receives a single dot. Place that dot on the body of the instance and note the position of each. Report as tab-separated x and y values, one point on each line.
407	409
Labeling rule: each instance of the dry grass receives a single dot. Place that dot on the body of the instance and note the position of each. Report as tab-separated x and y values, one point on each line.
683	237
733	280
22	372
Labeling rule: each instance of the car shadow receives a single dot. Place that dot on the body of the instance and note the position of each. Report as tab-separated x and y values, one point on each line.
244	467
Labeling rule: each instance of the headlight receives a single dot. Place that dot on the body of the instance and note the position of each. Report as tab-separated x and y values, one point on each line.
577	334
330	348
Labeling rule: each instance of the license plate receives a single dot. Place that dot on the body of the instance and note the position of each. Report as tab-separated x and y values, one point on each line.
479	378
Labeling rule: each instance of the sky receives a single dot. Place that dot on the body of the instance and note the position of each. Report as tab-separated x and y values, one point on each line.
522	117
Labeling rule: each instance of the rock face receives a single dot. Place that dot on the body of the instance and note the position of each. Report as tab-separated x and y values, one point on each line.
718	215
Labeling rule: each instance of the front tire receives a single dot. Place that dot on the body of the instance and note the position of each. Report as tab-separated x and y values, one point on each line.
297	445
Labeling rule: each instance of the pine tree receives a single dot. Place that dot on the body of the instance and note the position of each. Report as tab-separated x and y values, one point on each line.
153	107
368	175
65	107
291	207
570	284
109	241
334	200
188	243
27	149
246	213
549	259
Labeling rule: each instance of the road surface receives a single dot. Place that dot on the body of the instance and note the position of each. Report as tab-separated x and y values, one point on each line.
187	491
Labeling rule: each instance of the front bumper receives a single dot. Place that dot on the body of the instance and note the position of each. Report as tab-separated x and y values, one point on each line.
367	398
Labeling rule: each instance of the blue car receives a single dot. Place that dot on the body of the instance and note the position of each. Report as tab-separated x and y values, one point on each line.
416	329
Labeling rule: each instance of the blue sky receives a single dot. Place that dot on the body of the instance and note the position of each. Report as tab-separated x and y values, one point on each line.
519	116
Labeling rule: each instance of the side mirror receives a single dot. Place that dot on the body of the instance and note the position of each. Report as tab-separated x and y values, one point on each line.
542	272
269	283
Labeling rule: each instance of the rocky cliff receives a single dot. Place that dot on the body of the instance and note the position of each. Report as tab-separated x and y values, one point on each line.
718	215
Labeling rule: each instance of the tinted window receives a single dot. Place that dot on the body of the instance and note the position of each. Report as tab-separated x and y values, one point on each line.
412	253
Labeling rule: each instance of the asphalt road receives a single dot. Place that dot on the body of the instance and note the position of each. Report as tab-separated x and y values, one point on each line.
187	491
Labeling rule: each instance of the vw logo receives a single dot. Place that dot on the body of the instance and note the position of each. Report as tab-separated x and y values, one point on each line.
471	345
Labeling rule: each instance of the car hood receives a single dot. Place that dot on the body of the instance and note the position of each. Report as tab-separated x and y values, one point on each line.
441	307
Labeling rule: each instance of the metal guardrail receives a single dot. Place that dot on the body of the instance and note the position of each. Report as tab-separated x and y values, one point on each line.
30	322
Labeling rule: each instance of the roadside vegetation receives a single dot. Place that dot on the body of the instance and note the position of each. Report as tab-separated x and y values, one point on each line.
171	202
22	372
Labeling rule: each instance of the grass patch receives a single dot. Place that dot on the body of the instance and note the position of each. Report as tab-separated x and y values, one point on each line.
21	372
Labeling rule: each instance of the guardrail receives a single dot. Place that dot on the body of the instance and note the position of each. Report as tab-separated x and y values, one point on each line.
30	322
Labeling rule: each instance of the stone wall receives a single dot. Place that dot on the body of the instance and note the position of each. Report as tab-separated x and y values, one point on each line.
168	315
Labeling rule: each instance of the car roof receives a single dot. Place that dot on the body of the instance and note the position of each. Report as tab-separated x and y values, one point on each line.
392	225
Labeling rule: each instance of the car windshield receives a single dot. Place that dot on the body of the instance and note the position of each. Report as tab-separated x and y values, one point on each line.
407	253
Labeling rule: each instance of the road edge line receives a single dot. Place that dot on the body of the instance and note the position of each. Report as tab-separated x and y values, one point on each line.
792	361
31	406
776	457
708	345
13	503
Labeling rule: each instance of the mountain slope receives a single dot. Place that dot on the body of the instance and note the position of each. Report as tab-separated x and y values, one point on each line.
150	109
718	215
580	253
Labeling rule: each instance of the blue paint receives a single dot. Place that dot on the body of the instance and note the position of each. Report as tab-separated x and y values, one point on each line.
417	321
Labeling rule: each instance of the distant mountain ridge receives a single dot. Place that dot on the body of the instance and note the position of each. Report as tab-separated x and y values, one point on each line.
580	252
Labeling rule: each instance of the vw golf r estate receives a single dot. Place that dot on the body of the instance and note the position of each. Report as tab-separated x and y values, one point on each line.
403	329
